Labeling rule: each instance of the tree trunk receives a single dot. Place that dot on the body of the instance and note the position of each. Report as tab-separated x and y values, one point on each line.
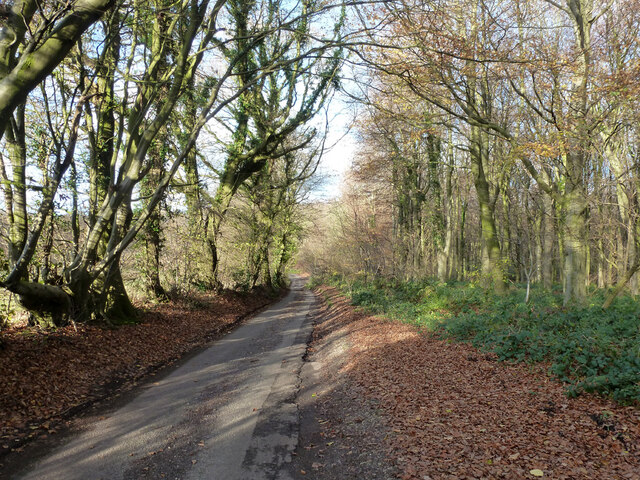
558	219
626	251
506	247
621	284
152	232
633	255
18	220
153	248
192	189
601	263
492	265
117	306
575	244
50	305
539	249
286	251
462	247
212	243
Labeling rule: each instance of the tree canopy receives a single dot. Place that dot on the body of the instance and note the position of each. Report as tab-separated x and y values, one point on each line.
498	142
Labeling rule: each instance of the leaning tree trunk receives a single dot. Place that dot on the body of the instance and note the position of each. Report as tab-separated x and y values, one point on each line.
50	305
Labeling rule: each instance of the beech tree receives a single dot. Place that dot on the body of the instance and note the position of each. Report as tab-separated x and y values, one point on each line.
534	100
275	107
460	84
127	93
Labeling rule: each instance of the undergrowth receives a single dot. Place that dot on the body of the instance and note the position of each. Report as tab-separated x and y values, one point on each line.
590	349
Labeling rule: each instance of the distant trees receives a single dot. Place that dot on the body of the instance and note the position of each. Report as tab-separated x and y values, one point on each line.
282	82
272	215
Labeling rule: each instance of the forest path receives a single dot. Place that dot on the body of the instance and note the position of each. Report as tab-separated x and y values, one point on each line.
228	413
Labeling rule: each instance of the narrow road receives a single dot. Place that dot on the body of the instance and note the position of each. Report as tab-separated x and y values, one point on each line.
229	413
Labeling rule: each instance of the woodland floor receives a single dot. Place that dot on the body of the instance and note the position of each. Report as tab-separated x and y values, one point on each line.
444	410
391	402
47	377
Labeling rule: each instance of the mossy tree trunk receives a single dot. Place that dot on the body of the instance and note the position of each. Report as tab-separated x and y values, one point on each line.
109	298
576	274
152	235
492	264
16	187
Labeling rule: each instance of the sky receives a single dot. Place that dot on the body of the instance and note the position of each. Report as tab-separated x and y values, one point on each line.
340	149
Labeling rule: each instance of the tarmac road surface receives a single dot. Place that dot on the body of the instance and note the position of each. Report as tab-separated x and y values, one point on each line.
229	413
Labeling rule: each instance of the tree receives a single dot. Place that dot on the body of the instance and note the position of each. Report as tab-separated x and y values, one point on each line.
26	60
93	277
529	86
134	74
271	107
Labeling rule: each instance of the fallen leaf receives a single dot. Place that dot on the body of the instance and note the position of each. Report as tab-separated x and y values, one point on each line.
33	362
